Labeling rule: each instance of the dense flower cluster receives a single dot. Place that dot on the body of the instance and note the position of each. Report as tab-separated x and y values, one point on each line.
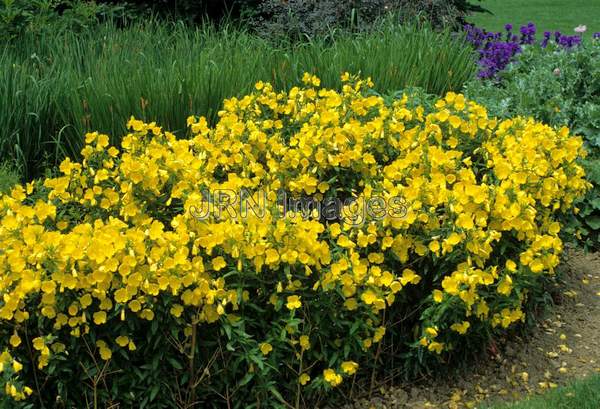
112	237
497	50
559	88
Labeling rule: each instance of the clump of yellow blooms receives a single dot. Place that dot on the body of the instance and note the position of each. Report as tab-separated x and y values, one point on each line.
116	235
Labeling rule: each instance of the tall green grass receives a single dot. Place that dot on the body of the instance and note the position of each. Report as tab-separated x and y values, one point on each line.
53	90
8	178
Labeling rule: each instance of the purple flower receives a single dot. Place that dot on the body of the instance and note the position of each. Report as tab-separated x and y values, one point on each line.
568	41
528	33
546	39
497	51
596	36
495	57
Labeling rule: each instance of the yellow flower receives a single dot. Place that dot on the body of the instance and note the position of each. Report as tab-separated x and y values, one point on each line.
85	300
331	377
272	256
105	352
454	239
304	342
379	333
15	340
265	348
293	302
349	367
465	221
156	230
461	328
554	228
176	310
218	263
436	347
121	295
511	266
304	379
368	297
344	241
17	366
409	276
536	266
434	246
455	121
335	230
122	341
39	344
100	317
432	332
351	304
505	286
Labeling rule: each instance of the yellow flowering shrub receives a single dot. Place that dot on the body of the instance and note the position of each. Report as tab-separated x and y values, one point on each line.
109	274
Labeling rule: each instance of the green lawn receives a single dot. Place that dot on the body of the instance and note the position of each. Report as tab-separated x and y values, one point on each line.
550	15
583	394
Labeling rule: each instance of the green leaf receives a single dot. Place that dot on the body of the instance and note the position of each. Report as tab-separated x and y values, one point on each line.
276	394
227	329
593	222
174	363
246	379
154	391
595	203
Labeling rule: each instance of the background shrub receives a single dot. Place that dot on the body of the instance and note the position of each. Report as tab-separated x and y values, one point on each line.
297	19
301	19
47	17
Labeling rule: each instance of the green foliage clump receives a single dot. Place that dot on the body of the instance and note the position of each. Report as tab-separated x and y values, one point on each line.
300	19
46	17
561	88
